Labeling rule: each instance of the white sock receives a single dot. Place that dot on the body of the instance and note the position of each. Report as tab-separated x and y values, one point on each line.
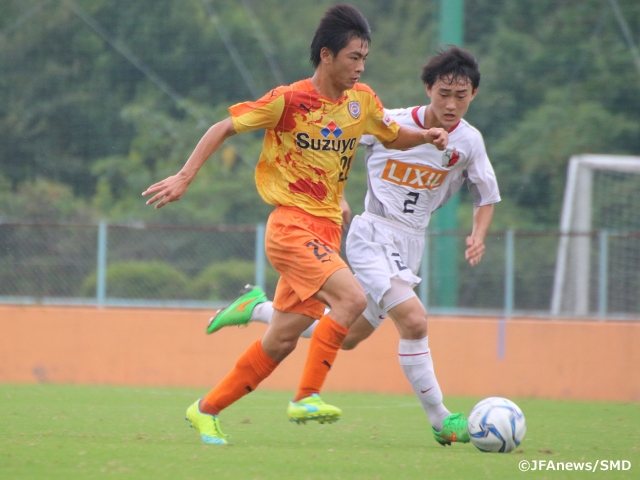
263	311
415	359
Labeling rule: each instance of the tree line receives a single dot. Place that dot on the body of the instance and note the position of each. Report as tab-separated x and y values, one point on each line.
100	98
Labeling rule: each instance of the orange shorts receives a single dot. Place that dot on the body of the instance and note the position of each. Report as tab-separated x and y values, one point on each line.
305	250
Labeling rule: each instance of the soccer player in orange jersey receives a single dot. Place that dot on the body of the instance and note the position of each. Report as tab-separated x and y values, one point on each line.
385	243
312	129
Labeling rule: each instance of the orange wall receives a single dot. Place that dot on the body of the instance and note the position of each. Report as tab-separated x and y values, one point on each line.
586	360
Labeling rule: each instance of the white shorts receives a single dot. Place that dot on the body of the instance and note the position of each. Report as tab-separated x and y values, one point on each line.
379	249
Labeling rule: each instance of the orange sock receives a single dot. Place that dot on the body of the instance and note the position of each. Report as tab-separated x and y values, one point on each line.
252	367
326	340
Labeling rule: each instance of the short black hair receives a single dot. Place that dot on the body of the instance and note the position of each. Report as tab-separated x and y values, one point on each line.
453	64
339	25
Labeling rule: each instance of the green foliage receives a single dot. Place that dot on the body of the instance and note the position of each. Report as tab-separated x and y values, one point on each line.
219	194
558	79
148	280
539	146
43	200
403	36
161	281
223	281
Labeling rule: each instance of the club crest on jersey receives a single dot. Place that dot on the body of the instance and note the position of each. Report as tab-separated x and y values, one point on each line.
450	158
354	109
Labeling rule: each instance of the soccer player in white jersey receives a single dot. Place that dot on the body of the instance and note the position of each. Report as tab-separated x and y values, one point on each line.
384	244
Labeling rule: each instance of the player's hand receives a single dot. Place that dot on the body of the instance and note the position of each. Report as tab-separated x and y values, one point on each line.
168	190
346	212
475	251
438	137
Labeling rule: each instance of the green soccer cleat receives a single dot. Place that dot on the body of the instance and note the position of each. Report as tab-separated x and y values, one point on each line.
454	429
208	426
313	408
239	312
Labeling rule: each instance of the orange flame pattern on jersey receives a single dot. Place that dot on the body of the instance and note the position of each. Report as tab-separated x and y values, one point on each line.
310	142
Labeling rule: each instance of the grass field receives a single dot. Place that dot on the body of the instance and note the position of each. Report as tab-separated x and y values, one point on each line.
80	432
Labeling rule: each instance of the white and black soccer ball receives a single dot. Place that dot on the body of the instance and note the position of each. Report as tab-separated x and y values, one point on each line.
496	425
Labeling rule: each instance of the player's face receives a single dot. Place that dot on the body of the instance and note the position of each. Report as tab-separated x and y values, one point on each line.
450	100
346	67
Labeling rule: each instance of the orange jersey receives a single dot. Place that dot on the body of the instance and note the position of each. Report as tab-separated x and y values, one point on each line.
310	142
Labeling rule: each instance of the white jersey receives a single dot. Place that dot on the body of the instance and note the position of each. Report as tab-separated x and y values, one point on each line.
409	185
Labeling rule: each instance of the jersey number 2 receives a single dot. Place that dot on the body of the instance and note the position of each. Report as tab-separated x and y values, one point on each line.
410	201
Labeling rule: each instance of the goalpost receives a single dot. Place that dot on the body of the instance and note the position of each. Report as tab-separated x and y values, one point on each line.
602	197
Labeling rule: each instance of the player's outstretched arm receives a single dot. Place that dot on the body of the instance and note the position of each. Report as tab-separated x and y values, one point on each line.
482	217
412	137
172	188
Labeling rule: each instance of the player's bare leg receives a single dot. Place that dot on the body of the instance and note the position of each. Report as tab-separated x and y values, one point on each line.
359	331
283	333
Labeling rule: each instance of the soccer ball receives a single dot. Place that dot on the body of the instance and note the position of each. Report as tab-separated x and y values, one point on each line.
496	425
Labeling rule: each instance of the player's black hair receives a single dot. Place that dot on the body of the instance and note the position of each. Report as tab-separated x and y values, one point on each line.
339	25
453	64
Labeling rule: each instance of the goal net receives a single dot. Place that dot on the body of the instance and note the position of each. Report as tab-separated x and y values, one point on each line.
598	263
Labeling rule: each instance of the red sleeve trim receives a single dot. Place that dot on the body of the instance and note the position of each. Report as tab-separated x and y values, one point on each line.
416	117
418	120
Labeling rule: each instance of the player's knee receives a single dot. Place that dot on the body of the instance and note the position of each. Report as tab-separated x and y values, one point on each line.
280	349
414	327
289	345
358	304
350	307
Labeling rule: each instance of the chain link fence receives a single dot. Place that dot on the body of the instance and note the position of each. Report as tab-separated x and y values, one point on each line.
127	264
151	265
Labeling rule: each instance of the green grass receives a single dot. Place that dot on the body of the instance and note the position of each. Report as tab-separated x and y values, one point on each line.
80	432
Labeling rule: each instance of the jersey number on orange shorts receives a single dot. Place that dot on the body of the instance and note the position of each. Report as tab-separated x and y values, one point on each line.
316	245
